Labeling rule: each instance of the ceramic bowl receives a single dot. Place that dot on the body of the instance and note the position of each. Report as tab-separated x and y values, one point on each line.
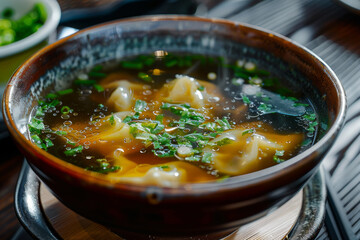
192	209
13	55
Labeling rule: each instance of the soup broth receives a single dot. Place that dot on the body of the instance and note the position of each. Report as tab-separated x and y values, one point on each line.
169	119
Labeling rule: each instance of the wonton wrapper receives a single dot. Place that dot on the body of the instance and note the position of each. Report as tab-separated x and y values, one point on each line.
186	90
176	173
251	152
125	94
110	135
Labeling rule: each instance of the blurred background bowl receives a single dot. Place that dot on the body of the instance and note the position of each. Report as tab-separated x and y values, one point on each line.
14	54
192	209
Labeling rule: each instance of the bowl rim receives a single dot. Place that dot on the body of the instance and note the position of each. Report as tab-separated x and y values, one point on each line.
237	182
51	23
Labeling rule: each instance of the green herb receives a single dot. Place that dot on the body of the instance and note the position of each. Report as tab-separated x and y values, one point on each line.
152	133
145	77
12	30
310	117
74	151
48	142
36	125
127	119
266	108
97	74
51	96
61	133
171	63
84	82
201	88
242	75
112	120
245	99
140	106
279	153
269	82
277	159
97	68
132	65
37	140
53	103
65	110
248	131
71	143
65	92
99	88
104	165
224	123
40	143
311	121
207	158
164	167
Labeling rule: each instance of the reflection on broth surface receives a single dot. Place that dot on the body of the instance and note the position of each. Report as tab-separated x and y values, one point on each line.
167	119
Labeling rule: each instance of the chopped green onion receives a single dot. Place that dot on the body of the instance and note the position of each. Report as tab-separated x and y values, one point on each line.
74	151
65	110
112	120
207	158
164	167
132	65
140	106
245	99
97	74
145	77
51	96
99	88
248	131
65	92
279	153
84	82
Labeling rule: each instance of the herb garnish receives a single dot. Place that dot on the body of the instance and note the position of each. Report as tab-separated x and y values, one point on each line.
74	151
278	153
164	144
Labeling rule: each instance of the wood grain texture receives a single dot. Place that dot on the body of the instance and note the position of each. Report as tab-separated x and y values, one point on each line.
71	226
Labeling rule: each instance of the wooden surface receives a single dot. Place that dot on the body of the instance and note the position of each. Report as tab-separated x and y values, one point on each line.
322	26
71	226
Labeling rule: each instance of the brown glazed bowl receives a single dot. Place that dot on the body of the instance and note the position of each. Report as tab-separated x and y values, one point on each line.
192	209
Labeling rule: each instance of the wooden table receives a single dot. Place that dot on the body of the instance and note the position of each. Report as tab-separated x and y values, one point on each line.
321	25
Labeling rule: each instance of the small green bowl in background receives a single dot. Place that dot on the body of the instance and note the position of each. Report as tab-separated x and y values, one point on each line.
14	54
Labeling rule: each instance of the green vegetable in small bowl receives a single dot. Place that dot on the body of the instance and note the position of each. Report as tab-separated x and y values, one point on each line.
25	27
12	30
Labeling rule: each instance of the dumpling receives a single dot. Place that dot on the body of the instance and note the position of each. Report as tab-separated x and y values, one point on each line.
110	129
170	174
124	96
250	152
184	90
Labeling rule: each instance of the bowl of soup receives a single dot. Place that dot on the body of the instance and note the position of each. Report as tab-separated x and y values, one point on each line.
174	125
